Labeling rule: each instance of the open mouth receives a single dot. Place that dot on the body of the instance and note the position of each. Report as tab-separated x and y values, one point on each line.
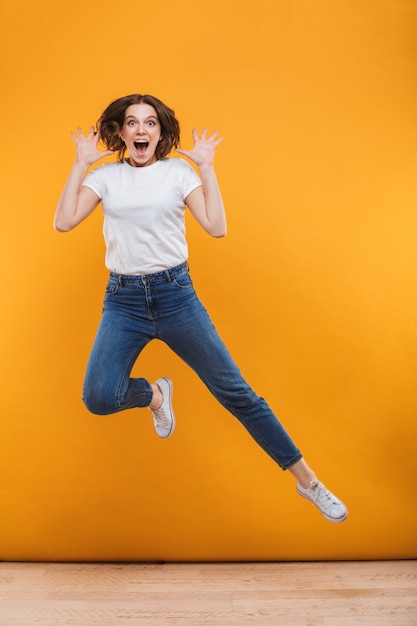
141	146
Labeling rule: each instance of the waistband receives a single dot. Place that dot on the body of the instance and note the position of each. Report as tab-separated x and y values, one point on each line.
165	275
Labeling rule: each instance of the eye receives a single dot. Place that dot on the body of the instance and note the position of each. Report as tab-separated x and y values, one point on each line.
131	123
151	123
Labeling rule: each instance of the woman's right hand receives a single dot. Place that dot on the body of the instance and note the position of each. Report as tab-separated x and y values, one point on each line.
87	147
77	201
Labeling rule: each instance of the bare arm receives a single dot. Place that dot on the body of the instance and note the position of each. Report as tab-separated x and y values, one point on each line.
77	202
206	202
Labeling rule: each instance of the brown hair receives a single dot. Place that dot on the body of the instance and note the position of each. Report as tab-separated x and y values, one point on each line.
112	119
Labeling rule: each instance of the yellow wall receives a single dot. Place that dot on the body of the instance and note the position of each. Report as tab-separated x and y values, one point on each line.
314	289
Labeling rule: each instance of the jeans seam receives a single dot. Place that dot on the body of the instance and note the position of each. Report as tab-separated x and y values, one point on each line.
264	444
128	367
260	440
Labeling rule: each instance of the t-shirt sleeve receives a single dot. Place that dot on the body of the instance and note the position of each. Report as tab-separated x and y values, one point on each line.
93	181
190	179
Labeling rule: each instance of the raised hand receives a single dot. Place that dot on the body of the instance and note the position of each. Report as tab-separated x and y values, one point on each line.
87	147
204	148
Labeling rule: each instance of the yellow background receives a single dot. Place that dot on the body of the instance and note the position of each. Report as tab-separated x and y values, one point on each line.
314	288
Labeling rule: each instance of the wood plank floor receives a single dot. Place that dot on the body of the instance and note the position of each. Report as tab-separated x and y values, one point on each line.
376	593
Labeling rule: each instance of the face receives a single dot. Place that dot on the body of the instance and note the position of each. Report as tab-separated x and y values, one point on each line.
141	133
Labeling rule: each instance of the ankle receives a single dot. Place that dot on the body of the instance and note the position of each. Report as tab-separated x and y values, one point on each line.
157	398
306	484
303	473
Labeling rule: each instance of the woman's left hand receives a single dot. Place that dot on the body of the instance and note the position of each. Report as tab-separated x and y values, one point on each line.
203	151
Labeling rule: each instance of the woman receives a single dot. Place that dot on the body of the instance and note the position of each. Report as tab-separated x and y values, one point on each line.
150	293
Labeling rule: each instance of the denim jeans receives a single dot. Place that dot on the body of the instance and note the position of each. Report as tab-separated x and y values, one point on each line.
165	306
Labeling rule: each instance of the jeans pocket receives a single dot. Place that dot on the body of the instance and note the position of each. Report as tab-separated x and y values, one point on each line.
183	280
112	287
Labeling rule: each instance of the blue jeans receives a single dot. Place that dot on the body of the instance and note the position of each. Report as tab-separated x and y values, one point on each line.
165	306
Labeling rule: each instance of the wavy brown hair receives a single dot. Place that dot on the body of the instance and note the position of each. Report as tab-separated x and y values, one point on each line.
112	119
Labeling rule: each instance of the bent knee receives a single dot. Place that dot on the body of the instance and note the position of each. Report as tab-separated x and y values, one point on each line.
99	404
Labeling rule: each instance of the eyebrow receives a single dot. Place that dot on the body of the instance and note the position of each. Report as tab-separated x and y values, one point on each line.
150	117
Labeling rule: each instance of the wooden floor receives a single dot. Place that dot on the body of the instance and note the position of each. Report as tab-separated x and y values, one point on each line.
379	593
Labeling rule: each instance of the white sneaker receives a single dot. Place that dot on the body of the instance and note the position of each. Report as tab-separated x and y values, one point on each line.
331	507
164	418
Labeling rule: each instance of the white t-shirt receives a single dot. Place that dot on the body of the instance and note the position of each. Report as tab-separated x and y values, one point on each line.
144	208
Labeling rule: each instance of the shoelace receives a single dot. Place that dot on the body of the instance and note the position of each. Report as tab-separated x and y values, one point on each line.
160	416
322	495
